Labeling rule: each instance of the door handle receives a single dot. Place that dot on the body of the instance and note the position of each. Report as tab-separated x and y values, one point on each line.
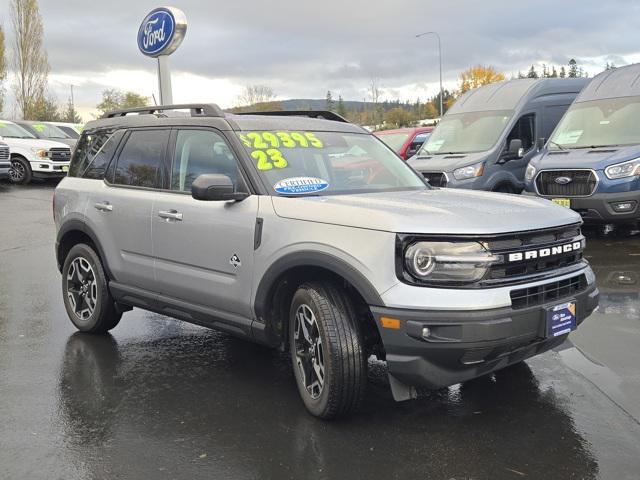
103	206
170	215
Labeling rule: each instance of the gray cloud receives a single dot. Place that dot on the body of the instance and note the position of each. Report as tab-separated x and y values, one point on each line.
305	48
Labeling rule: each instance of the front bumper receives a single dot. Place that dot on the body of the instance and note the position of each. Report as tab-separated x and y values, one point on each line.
464	345
600	207
4	169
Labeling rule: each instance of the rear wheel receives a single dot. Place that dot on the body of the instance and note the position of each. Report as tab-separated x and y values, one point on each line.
20	171
87	300
327	350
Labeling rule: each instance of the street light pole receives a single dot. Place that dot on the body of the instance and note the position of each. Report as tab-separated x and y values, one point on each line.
440	59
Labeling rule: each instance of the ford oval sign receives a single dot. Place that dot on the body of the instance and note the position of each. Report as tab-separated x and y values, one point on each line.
162	31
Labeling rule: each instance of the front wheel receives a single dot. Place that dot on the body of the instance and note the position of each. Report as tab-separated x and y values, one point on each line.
87	300
20	171
327	351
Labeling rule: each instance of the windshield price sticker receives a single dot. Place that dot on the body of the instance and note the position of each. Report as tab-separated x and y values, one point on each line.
271	158
264	140
300	185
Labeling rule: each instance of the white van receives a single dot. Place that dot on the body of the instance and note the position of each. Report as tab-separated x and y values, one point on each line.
32	157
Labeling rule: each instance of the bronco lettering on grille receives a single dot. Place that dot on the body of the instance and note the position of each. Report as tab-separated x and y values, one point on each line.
544	252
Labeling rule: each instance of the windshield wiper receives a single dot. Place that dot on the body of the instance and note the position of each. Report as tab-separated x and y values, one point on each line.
557	145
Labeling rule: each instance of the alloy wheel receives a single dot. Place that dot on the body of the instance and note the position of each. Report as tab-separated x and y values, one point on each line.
309	351
82	289
17	171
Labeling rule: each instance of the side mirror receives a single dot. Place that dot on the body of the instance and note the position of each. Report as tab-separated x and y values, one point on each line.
215	187
515	148
411	151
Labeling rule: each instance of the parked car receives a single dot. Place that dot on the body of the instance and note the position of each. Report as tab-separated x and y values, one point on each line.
591	163
32	157
486	139
405	141
5	161
301	231
73	130
46	131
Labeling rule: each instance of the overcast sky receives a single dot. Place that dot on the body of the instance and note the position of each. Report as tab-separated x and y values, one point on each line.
304	48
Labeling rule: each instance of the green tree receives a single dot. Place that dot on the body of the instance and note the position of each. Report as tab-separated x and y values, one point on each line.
563	72
114	99
554	72
532	72
69	114
3	68
45	110
341	110
328	106
573	68
398	117
30	62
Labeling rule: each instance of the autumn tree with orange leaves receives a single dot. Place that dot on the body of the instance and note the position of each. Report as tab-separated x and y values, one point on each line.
478	76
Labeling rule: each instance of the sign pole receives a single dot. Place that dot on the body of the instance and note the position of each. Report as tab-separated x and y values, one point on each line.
164	80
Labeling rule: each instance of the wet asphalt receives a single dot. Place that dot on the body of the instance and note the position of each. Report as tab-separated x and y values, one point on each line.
163	399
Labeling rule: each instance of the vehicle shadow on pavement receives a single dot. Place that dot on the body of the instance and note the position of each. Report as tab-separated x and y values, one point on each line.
175	404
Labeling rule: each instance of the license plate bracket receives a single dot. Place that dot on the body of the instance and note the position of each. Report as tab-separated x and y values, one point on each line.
561	318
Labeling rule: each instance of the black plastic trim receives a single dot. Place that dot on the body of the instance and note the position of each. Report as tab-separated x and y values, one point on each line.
257	234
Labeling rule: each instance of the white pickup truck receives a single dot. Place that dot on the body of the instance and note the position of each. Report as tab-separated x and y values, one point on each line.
32	157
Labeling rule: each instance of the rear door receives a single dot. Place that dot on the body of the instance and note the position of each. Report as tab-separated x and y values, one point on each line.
204	249
120	208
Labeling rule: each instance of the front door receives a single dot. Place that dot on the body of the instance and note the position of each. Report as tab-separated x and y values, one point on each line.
203	249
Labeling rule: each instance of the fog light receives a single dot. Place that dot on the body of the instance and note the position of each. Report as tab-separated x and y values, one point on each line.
426	332
624	206
44	165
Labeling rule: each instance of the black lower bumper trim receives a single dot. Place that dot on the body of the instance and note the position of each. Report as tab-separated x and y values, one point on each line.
600	207
466	344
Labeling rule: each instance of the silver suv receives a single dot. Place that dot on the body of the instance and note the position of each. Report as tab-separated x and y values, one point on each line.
301	231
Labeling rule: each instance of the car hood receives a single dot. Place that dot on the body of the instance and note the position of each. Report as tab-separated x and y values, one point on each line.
445	163
33	142
434	211
595	158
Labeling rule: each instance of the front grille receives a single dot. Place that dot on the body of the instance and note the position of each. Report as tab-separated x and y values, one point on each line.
579	183
4	152
532	296
436	179
523	242
60	154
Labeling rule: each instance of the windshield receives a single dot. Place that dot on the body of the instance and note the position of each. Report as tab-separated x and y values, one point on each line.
321	163
395	141
467	132
11	130
599	123
71	133
46	130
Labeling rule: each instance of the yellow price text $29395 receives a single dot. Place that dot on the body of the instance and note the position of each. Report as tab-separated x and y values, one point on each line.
266	146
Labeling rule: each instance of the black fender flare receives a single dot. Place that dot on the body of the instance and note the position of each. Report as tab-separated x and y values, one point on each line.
312	258
78	225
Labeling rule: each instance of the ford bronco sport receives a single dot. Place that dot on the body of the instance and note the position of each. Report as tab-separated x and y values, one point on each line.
301	231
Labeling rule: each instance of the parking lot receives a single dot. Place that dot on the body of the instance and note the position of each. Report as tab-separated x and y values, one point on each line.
163	399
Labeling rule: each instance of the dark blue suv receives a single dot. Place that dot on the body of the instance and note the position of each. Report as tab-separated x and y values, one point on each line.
591	163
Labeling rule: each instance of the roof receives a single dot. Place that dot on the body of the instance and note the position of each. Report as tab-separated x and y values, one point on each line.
404	130
614	83
211	115
507	95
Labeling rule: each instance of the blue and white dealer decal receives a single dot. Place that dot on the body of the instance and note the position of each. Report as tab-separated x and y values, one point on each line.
160	32
300	185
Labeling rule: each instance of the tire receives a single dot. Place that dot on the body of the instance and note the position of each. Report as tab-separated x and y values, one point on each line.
20	171
335	352
85	291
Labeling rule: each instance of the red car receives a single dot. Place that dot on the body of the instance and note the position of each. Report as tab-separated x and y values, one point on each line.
405	141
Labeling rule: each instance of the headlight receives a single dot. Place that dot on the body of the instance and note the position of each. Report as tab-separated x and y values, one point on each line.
625	169
530	172
448	262
40	152
475	170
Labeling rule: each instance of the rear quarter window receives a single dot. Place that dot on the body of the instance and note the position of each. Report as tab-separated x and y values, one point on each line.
93	154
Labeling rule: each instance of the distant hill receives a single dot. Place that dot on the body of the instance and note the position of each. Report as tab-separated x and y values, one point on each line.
321	104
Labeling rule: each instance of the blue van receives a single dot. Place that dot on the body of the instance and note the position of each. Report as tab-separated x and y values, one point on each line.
591	162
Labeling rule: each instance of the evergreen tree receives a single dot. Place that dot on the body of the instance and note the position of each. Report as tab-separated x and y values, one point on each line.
342	111
563	73
573	68
329	102
532	72
554	72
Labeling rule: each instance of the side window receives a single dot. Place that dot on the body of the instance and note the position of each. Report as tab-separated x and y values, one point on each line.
198	152
140	159
525	130
101	151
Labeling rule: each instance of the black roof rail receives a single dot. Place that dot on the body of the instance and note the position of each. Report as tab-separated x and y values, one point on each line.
197	110
324	114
